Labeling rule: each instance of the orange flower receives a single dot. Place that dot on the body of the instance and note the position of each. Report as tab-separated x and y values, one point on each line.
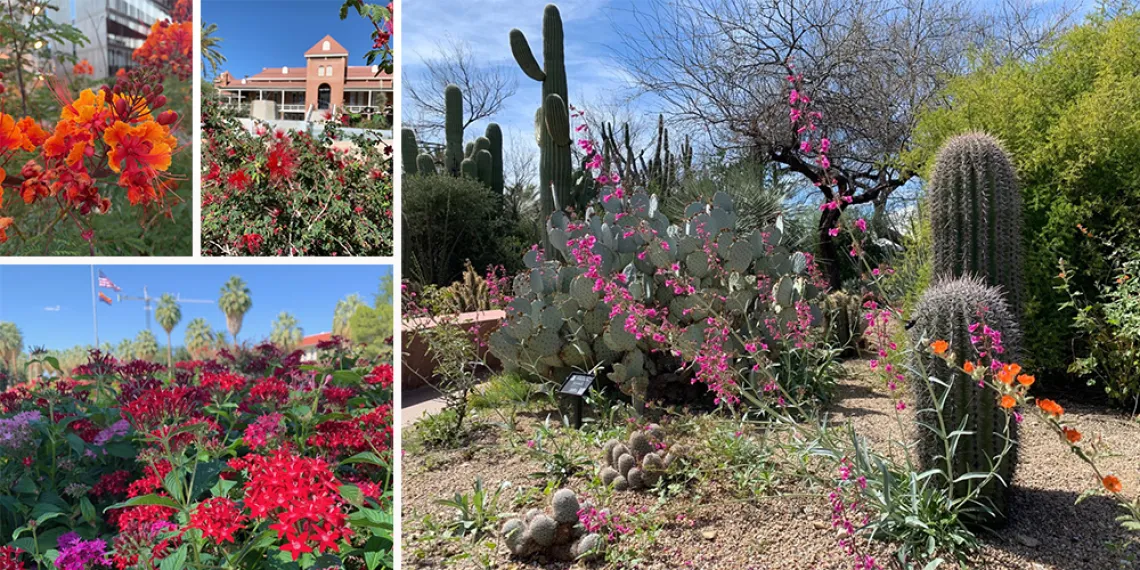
146	147
1050	407
940	346
31	129
1112	484
1008	372
968	367
89	110
1008	401
11	137
1026	380
70	141
4	224
1071	434
84	67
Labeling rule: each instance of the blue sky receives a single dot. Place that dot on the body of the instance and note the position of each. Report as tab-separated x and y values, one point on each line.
594	34
276	33
52	304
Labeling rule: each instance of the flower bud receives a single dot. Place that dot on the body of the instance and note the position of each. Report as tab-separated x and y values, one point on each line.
167	118
159	101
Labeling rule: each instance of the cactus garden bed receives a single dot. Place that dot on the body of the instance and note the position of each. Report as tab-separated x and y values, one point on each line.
748	504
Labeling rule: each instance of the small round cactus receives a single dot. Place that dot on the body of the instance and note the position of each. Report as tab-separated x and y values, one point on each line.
566	507
625	463
641	462
559	535
542	530
640	445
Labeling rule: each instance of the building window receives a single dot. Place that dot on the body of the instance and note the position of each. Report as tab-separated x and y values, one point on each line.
324	96
284	71
325	46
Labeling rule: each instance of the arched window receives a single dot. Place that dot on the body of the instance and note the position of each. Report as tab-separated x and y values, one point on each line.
284	71
325	46
320	71
324	96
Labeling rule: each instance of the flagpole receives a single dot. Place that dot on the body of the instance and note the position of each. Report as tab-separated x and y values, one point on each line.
94	307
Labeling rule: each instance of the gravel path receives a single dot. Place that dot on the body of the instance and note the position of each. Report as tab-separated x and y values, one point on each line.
708	528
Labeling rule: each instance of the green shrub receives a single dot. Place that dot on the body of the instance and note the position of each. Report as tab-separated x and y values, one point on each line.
450	220
1071	122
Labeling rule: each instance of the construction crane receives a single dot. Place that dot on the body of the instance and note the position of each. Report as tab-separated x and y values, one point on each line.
148	302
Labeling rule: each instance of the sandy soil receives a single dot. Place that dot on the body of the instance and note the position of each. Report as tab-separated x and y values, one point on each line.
709	528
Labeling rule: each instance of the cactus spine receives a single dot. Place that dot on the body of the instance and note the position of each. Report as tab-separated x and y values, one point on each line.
975	208
453	129
945	312
552	121
409	151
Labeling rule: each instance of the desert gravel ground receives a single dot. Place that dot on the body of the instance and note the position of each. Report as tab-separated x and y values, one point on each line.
709	528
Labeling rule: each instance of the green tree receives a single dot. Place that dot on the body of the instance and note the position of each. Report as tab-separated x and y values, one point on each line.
199	338
212	58
371	327
168	314
145	346
345	308
29	34
11	345
125	350
235	302
286	332
1071	121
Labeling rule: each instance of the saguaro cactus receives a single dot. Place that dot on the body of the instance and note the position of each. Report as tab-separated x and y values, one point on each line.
945	312
552	121
453	129
975	209
409	152
494	135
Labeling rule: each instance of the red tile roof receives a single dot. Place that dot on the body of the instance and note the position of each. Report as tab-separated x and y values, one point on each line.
313	339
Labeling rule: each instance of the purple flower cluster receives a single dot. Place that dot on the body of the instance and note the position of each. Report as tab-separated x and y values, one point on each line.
78	554
17	431
117	429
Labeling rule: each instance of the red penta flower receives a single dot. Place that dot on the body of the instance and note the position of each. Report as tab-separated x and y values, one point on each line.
218	518
222	381
269	390
382	374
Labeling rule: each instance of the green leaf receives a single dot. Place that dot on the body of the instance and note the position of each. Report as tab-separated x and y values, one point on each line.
176	560
347	378
366	457
352	494
327	561
205	476
146	500
25	486
88	510
122	450
77	443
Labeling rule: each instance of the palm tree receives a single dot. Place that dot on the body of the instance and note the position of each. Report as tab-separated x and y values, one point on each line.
11	345
168	314
212	58
145	346
235	302
199	337
345	308
286	332
125	350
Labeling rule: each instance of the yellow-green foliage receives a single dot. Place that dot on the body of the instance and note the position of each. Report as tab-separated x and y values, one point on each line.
1071	121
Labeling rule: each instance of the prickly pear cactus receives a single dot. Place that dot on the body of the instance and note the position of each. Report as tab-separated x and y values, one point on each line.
946	312
626	255
558	534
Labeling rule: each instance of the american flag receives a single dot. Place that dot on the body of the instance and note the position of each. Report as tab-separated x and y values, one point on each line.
106	283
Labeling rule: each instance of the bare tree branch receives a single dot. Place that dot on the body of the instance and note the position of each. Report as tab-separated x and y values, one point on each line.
485	88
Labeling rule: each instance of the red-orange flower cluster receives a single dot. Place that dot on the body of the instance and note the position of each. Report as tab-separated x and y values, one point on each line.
169	44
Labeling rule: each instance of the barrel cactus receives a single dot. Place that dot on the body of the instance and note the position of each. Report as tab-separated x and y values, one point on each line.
558	535
560	320
946	312
975	209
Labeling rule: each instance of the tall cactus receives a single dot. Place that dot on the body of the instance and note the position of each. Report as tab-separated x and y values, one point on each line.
409	151
945	312
552	121
453	129
975	208
494	135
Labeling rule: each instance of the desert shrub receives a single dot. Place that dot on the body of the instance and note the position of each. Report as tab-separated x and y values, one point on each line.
274	192
1069	120
1108	323
475	514
503	390
449	221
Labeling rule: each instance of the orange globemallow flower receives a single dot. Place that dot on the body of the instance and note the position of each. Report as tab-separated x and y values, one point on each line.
968	367
1026	380
1008	373
940	346
1050	407
1008	401
146	147
1071	434
1112	484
